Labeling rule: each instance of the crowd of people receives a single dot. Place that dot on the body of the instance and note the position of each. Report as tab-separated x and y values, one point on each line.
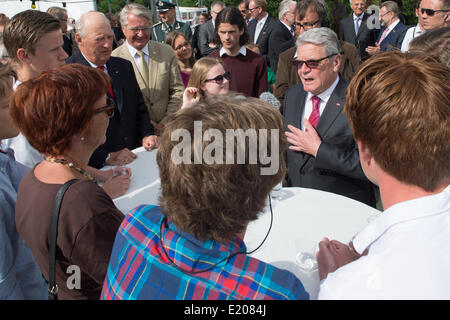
365	114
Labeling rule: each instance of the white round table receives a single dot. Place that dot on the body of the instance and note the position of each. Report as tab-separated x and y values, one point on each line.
301	219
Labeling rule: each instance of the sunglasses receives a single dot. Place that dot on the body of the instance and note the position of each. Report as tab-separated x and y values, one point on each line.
431	12
312	64
220	78
108	109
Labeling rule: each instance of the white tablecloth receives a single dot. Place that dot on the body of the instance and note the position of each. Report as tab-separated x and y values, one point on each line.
301	218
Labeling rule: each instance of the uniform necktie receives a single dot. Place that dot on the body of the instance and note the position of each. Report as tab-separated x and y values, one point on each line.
315	114
143	67
110	90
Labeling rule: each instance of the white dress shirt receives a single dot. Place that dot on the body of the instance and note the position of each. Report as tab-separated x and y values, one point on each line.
242	50
259	26
324	97
135	55
411	33
408	257
23	151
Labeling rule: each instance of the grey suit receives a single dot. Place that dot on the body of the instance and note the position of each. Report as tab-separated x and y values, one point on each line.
205	37
336	167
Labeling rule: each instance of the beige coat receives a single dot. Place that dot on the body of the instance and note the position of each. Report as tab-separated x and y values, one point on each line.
164	93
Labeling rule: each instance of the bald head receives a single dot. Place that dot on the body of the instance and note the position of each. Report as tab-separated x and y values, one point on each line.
95	37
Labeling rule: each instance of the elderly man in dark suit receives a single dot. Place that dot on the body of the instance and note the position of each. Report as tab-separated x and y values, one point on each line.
356	30
206	44
130	126
282	37
322	152
261	27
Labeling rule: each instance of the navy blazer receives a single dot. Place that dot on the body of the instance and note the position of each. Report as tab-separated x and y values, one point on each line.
263	38
394	38
131	121
336	167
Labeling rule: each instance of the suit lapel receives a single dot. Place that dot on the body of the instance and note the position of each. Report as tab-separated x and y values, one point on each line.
264	29
362	25
114	74
332	109
153	66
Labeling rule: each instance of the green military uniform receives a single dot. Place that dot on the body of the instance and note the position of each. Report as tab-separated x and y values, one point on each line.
162	29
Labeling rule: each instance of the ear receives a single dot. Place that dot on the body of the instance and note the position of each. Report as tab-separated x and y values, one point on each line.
78	38
337	63
23	56
241	32
364	152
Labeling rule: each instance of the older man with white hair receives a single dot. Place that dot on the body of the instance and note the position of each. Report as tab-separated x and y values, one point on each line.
322	153
282	35
130	126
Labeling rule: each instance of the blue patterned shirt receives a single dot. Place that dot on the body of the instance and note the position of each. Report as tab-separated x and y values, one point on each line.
20	277
139	268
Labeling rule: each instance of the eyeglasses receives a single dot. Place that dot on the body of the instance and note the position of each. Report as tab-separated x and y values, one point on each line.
431	12
306	25
220	78
251	10
382	15
312	64
243	11
108	109
181	46
137	29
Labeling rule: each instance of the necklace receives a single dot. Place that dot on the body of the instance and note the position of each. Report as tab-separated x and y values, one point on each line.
71	165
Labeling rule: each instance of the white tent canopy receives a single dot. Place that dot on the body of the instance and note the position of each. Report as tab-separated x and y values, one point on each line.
75	8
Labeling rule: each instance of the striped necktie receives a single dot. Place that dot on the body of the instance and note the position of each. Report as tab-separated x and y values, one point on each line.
315	114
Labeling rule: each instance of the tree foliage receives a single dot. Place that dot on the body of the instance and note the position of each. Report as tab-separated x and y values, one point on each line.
408	8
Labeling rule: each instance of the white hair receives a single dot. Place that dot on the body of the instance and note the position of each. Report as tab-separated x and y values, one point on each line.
81	23
284	8
320	36
136	9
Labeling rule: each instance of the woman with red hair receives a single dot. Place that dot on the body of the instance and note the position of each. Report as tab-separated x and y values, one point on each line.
64	114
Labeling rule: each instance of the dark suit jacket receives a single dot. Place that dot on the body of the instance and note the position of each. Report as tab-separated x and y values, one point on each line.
206	36
263	38
131	121
394	39
336	168
280	39
366	36
287	74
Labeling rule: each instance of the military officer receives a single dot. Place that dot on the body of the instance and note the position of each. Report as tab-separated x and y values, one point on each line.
168	22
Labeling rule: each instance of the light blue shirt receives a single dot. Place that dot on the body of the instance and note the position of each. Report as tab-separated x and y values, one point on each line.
20	277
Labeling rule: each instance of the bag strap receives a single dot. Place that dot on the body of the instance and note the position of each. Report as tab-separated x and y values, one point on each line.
52	286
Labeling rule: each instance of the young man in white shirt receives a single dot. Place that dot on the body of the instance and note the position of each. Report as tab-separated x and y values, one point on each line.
403	145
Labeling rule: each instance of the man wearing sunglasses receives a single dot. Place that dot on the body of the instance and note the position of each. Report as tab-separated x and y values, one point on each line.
435	13
322	153
432	14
